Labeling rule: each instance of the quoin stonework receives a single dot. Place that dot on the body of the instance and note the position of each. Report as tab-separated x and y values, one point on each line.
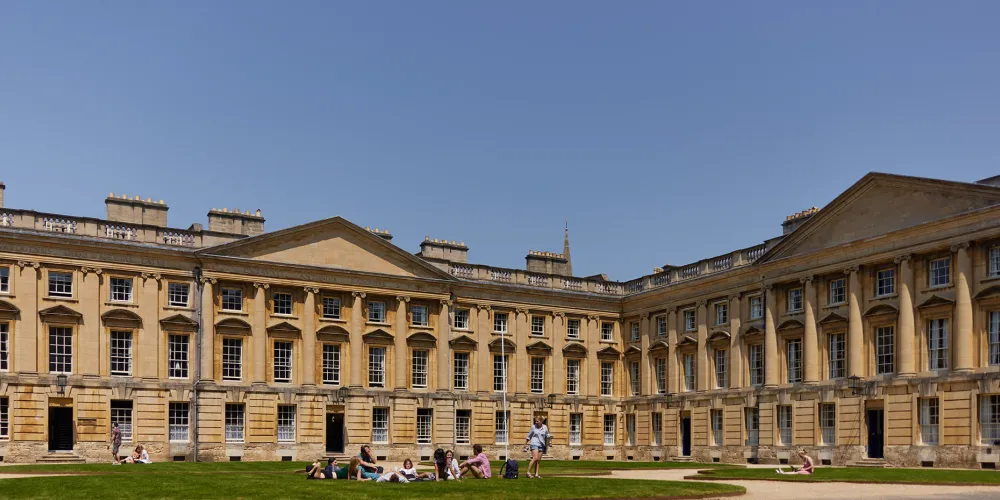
867	331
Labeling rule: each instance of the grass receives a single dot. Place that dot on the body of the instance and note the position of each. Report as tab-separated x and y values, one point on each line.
861	475
277	480
596	467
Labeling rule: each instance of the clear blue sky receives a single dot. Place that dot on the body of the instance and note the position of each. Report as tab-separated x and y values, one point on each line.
664	131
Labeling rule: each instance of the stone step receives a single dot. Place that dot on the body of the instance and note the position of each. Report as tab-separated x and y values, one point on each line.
680	459
60	458
868	462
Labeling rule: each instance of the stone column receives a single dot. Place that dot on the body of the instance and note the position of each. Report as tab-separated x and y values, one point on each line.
27	348
702	359
906	332
963	308
673	372
770	339
519	358
735	345
810	340
557	373
399	344
146	361
855	332
309	337
260	333
645	366
357	343
89	334
593	366
207	331
443	347
485	333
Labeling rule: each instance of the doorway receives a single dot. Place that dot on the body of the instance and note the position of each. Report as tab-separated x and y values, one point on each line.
60	428
335	433
686	436
876	439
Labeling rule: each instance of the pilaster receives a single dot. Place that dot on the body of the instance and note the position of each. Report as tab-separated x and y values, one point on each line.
810	341
401	356
309	336
357	343
207	331
855	332
770	338
702	360
443	348
907	332
735	345
963	308
260	333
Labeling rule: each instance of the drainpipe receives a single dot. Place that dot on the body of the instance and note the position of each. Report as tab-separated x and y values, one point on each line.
197	355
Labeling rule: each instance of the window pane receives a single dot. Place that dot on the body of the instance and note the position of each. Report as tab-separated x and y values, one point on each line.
286	423
282	361
331	364
376	367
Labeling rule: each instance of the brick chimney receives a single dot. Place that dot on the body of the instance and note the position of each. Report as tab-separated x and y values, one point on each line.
795	220
235	222
2	188
133	210
451	251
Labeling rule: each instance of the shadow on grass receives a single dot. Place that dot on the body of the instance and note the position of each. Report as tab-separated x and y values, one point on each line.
936	477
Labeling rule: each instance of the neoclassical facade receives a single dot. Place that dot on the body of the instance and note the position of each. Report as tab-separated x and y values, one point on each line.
868	331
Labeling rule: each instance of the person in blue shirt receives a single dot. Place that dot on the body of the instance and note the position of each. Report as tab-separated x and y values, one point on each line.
537	440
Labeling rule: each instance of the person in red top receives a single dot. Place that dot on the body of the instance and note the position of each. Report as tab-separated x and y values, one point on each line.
807	465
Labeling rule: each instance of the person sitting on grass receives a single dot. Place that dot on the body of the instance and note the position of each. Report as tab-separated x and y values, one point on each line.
454	472
355	471
807	465
314	471
410	472
477	466
334	470
368	465
139	456
440	466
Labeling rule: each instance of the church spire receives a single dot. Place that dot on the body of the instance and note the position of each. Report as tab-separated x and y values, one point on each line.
569	261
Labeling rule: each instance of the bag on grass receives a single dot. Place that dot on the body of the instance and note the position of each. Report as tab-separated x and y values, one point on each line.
509	469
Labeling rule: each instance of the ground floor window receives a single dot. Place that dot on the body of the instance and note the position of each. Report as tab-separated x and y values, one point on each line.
179	421
463	424
717	427
425	418
234	422
380	425
828	423
785	424
4	418
753	426
630	429
657	429
575	428
609	430
286	423
929	419
121	414
502	419
989	419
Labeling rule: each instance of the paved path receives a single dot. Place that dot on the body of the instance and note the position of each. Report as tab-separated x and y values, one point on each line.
783	490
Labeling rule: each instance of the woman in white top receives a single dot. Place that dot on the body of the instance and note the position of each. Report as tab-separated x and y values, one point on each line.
141	456
454	473
538	440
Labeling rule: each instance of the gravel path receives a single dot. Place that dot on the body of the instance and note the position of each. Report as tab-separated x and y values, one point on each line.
780	490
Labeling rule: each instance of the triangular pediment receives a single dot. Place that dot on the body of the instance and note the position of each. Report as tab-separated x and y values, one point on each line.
936	300
879	204
463	342
687	340
609	352
988	292
60	314
332	243
752	329
790	324
178	322
832	318
285	328
633	349
378	336
659	345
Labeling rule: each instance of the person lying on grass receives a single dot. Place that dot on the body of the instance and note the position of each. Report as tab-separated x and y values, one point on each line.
807	465
354	470
315	471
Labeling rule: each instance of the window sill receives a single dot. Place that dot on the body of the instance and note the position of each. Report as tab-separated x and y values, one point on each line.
836	305
332	320
7	295
938	288
178	308
463	330
234	313
284	316
797	312
378	323
112	303
422	327
60	299
885	297
990	279
500	333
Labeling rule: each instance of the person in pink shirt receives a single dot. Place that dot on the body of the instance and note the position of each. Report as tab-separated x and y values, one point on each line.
477	466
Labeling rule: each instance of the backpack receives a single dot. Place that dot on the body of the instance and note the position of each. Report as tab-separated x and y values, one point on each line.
509	469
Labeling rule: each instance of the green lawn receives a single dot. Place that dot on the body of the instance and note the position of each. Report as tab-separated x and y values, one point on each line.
861	475
276	480
591	467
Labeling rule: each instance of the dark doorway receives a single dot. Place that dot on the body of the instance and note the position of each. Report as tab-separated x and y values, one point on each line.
686	437
875	433
60	428
335	432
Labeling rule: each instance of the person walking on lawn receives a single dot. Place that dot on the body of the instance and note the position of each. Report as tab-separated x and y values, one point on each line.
537	439
116	442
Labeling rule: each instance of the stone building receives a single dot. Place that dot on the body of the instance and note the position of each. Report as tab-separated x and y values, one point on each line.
868	330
